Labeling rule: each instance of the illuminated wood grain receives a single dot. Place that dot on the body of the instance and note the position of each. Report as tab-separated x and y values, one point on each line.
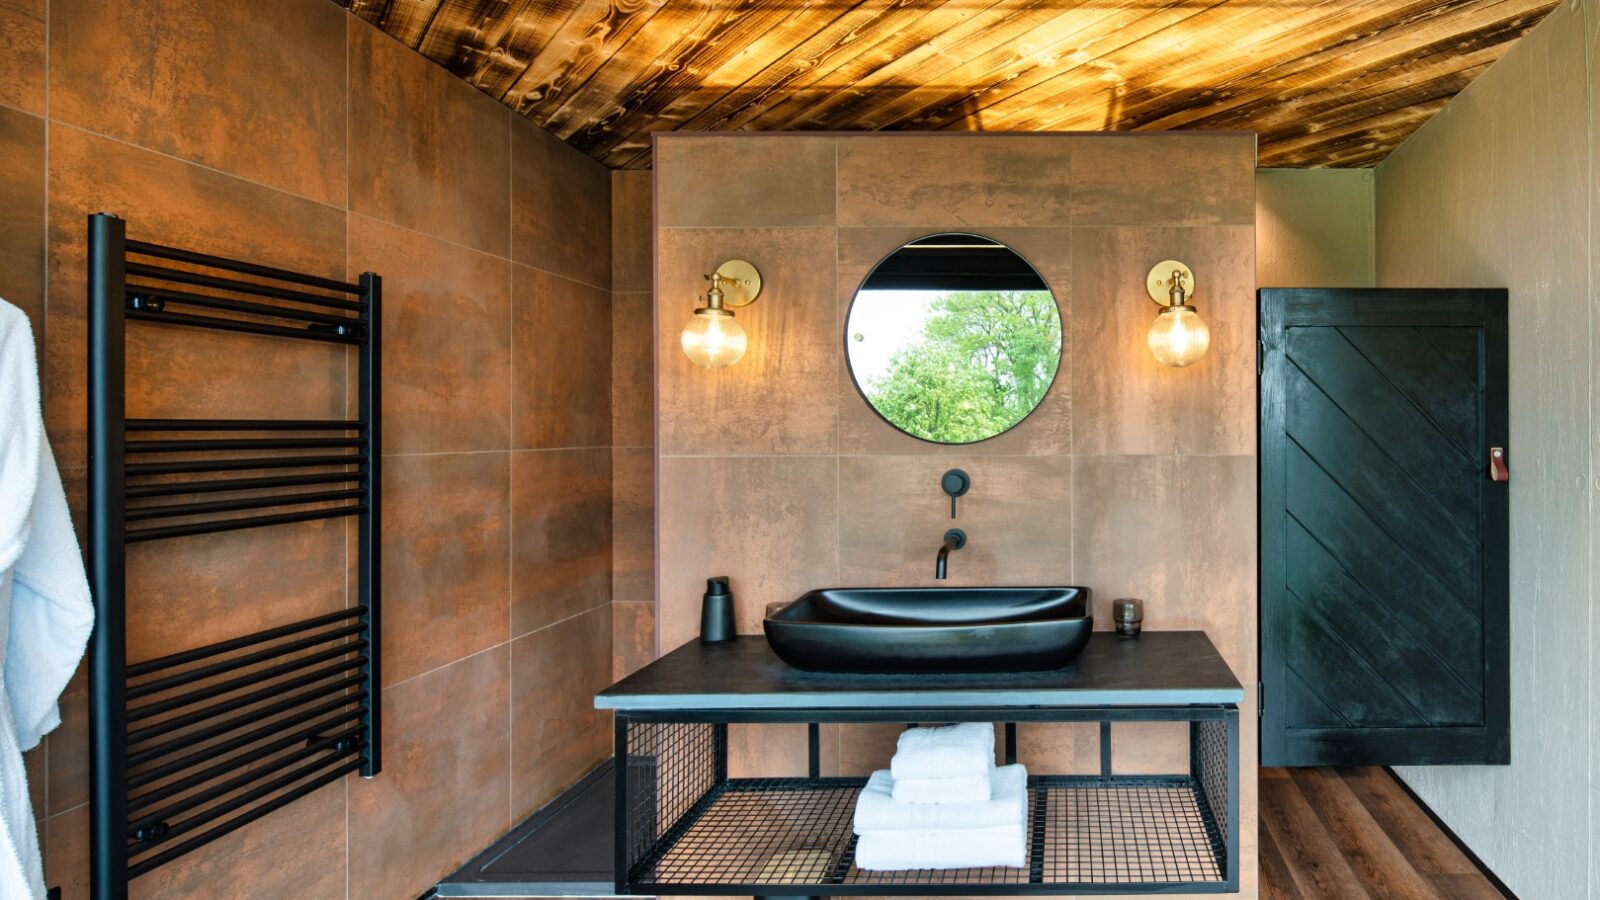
1323	82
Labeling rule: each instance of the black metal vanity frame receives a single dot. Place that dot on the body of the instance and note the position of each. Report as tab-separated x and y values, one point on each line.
685	827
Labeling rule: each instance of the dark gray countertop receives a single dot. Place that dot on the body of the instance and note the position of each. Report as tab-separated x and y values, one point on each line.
1159	668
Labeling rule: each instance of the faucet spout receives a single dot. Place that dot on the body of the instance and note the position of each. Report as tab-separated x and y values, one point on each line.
954	539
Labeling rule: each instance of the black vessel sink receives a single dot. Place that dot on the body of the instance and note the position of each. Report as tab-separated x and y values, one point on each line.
1014	629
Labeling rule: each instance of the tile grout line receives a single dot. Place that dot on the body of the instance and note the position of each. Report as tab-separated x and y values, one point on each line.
511	511
44	324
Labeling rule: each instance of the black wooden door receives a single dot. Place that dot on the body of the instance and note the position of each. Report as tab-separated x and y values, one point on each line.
1383	533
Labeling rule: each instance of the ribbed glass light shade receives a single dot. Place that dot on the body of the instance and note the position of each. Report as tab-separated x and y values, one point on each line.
1179	337
713	339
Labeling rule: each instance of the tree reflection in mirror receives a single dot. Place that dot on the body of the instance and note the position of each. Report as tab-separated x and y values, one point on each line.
954	338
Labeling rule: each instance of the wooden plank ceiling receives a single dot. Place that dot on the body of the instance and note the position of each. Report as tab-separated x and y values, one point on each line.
1323	82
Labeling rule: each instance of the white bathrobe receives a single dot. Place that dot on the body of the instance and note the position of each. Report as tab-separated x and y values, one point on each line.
45	610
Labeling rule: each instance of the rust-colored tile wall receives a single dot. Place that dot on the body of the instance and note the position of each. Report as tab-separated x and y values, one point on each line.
1131	478
354	153
633	468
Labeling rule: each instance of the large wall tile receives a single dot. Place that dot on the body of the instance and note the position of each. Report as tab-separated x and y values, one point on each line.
187	592
769	523
442	795
22	54
66	778
1164	179
633	637
1126	402
447	339
561	366
560	207
632	229
427	151
556	733
893	516
776	399
446	576
561	535
196	80
22	213
955	180
173	371
1179	533
633	380
1047	430
297	851
633	521
743	181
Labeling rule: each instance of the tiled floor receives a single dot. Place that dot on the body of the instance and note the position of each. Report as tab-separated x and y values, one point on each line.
1354	833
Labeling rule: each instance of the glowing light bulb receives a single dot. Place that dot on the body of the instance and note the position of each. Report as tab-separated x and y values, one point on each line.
713	339
1179	337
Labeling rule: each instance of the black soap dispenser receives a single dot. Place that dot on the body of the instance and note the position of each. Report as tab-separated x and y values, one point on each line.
716	612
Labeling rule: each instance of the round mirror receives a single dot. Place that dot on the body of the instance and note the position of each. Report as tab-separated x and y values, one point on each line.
953	338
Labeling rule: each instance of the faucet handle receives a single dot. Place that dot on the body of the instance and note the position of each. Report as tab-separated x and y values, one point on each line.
955	483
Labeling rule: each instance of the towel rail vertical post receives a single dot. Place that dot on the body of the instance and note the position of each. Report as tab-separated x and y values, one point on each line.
370	559
108	745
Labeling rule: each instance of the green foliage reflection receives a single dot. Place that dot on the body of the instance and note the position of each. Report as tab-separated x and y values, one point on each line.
984	361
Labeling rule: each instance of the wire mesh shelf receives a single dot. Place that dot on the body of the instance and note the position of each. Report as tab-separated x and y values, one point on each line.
687	828
1084	830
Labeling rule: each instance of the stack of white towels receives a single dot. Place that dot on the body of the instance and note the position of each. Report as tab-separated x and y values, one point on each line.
943	804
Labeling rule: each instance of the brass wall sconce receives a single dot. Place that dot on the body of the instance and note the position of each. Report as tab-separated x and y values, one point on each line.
1178	337
712	338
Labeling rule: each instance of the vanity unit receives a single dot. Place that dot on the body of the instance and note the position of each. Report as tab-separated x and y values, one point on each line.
684	826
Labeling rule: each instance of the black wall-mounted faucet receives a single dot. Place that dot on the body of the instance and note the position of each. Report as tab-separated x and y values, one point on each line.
954	539
955	483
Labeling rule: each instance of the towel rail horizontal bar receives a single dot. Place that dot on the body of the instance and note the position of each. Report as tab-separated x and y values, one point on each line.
196	466
234	704
172	318
196	445
165	770
149	292
198	508
161	251
235	762
228	726
136	869
190	676
181	276
244	425
315	748
171	531
181	488
139	670
260	676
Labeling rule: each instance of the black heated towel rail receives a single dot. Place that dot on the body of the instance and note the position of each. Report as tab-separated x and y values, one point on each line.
189	747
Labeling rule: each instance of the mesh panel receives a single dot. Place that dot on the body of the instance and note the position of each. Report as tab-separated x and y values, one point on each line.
671	767
1209	767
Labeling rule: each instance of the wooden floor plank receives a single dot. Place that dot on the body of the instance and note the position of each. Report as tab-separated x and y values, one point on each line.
1353	832
1383	870
1317	864
1406	824
1276	882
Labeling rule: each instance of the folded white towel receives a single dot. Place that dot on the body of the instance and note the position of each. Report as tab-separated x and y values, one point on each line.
951	848
944	751
877	810
961	790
